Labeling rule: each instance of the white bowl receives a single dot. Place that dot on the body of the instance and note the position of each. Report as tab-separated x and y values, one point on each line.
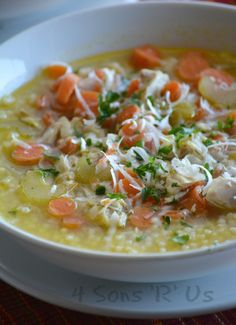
85	33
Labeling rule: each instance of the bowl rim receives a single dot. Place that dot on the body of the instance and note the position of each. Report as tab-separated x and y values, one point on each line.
58	247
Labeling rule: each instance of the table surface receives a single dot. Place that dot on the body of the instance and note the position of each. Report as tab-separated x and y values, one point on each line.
19	308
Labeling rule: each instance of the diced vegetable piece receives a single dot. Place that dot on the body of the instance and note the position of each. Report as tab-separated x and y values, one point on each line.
190	66
61	207
72	222
126	185
127	113
27	156
65	88
69	147
133	87
104	174
219	76
182	112
36	187
145	56
194	201
91	99
173	87
222	193
86	171
55	71
141	217
223	97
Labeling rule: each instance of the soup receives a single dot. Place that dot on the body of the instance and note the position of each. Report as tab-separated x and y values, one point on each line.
131	152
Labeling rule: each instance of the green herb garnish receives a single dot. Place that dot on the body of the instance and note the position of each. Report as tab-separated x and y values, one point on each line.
104	105
180	132
100	190
180	239
152	167
166	222
49	172
152	192
207	142
89	142
185	224
117	196
138	156
140	238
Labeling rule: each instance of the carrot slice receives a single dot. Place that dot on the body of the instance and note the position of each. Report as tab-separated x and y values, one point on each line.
47	119
127	113
65	88
91	99
55	71
220	76
131	134
233	115
125	185
27	156
61	207
174	88
69	147
141	217
145	56
190	66
100	74
193	200
133	87
72	222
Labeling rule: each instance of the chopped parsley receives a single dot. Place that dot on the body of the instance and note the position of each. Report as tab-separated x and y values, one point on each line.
206	165
152	167
185	224
89	161
128	164
207	142
180	132
226	125
140	237
166	222
151	100
89	142
49	172
163	152
100	190
138	156
151	192
105	107
180	239
174	185
117	196
77	133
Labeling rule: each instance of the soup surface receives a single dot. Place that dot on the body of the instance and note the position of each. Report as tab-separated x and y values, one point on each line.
131	151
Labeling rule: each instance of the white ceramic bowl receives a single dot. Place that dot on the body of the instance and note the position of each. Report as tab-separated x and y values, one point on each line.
90	32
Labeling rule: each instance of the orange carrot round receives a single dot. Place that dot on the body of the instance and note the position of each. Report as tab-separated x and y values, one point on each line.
69	147
141	217
27	156
91	99
220	76
127	113
146	56
66	87
72	222
133	87
61	207
55	71
194	200
174	88
191	65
